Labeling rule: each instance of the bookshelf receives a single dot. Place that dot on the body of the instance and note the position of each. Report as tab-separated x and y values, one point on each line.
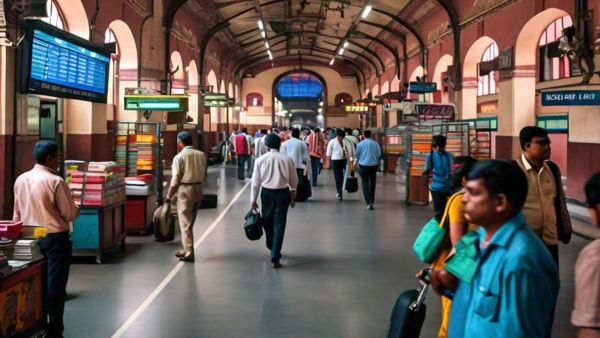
418	146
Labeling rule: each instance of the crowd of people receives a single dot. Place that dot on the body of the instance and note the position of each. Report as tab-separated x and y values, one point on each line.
497	273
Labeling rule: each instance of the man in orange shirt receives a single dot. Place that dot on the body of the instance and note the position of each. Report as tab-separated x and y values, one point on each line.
42	198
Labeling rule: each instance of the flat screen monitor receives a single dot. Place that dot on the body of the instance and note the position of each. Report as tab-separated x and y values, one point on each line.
57	63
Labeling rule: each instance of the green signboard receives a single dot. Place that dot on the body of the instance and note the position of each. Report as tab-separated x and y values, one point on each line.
218	100
156	102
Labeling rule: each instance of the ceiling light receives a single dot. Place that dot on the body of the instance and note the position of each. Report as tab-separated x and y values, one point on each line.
267	45
331	62
341	51
270	55
366	11
264	35
260	25
345	44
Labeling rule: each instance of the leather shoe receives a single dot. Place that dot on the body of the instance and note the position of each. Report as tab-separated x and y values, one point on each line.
188	258
277	265
179	254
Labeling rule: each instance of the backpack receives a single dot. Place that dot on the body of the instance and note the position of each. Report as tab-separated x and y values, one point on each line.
241	145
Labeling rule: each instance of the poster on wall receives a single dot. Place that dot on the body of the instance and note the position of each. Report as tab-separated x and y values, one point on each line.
60	64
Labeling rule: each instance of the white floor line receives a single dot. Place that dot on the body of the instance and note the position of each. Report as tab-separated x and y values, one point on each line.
138	312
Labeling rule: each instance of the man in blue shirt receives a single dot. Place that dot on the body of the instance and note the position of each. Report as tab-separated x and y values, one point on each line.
439	163
514	289
368	153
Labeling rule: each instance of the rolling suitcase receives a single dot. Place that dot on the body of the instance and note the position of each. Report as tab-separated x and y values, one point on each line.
408	314
209	201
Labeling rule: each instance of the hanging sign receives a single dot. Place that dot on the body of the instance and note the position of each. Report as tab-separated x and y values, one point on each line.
571	98
422	87
156	102
356	109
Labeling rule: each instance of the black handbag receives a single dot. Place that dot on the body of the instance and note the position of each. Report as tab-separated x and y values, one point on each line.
351	184
253	225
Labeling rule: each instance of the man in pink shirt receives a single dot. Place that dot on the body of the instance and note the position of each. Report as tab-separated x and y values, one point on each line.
42	198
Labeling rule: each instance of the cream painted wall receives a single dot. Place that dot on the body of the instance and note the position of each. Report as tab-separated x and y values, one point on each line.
7	86
263	83
348	121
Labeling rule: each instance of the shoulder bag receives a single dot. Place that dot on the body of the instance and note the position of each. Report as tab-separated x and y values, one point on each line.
431	239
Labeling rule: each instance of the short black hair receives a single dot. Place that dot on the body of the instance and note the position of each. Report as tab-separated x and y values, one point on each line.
439	141
317	130
367	133
245	130
185	138
340	132
273	141
463	165
42	149
502	177
528	133
264	131
296	133
284	128
592	190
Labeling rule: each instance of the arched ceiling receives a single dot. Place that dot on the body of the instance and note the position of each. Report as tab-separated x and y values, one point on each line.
316	28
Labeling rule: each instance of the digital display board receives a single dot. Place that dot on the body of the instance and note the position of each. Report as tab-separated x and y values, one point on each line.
60	64
422	87
156	102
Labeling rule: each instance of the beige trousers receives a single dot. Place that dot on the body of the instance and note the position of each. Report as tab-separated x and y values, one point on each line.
189	198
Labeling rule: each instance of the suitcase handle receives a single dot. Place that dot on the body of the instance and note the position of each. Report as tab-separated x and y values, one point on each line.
420	299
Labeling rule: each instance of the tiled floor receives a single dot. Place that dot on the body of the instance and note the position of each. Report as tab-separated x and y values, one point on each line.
344	266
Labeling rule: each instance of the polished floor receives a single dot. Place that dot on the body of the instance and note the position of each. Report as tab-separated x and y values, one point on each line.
344	266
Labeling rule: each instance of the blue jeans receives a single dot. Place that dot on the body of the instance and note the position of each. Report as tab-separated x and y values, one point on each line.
57	248
315	166
275	205
368	175
241	161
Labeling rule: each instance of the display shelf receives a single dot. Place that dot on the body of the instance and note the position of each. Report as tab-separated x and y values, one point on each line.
458	138
139	149
418	147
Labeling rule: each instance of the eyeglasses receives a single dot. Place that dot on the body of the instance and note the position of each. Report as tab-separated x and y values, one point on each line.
542	143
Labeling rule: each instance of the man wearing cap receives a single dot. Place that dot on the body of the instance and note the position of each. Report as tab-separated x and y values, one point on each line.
189	170
276	179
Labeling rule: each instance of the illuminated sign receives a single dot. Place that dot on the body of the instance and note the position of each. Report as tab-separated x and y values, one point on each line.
422	87
356	109
488	108
156	102
217	100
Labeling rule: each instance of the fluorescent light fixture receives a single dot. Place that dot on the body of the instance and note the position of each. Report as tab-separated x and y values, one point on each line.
267	45
366	12
345	44
260	25
270	55
341	51
264	35
331	62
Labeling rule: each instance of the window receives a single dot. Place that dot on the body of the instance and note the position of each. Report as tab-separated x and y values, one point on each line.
488	84
342	99
254	100
55	18
553	68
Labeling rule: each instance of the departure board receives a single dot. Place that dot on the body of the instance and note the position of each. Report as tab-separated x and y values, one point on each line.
62	66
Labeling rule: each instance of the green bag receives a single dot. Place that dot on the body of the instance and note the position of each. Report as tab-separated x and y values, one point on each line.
463	264
430	240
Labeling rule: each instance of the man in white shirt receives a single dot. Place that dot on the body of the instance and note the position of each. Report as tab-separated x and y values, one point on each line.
298	151
340	151
276	179
259	144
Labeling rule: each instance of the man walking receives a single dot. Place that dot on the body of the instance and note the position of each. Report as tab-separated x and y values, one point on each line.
439	163
316	151
515	285
276	179
189	170
368	153
340	152
298	151
545	208
259	144
43	198
243	151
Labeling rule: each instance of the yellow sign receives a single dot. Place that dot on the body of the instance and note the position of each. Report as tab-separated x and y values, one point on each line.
488	108
356	109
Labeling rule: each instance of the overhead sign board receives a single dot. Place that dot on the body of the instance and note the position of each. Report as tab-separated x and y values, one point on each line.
217	100
393	106
571	98
356	109
156	102
422	87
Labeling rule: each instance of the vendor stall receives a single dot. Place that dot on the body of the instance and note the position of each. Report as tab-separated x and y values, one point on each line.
394	148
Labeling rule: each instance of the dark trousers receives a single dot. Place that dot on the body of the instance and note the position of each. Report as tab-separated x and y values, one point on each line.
57	249
315	166
241	161
553	251
275	205
439	200
368	176
338	173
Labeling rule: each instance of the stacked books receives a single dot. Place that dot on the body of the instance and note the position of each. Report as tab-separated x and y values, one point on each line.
146	152
127	157
100	185
74	165
27	250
